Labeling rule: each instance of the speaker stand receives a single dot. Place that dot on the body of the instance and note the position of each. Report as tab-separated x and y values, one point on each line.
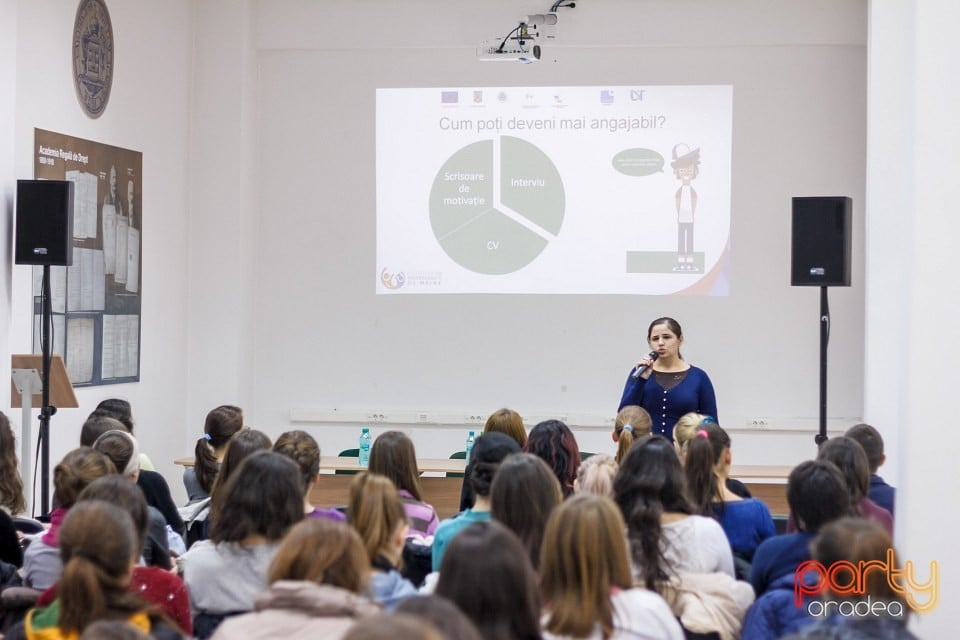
46	410
821	436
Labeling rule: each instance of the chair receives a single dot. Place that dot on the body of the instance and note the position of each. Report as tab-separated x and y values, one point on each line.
27	525
348	453
457	455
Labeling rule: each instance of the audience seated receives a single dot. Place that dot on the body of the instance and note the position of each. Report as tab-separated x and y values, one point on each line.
488	452
523	494
685	430
252	511
41	560
153	584
851	459
872	442
596	475
377	514
442	614
486	572
303	449
632	422
746	522
99	546
394	456
586	581
505	421
553	442
817	495
121	410
318	579
220	425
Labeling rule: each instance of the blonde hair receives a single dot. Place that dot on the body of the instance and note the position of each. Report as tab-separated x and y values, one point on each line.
375	511
686	430
596	475
640	424
584	557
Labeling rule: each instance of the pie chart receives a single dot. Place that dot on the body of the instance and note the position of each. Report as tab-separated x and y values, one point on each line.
496	204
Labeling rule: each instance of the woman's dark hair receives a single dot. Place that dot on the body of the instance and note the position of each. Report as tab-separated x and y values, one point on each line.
262	497
649	483
119	491
671	324
704	452
96	425
117	409
871	441
524	494
442	614
11	486
553	442
302	448
240	447
817	494
394	456
851	459
121	448
221	424
324	552
98	545
78	468
488	452
487	574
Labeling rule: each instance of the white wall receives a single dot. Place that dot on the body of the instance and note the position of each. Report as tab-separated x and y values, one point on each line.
8	75
147	112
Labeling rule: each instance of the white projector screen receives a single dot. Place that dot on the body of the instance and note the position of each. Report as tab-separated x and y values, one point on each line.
554	190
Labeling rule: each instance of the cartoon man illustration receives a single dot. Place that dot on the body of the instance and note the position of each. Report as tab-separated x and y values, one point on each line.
686	166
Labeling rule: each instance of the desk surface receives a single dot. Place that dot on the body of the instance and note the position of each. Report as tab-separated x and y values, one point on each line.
334	463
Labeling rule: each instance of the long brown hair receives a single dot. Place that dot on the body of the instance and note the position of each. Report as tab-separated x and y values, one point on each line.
523	494
220	425
11	486
98	545
704	452
375	511
324	552
584	557
394	456
509	422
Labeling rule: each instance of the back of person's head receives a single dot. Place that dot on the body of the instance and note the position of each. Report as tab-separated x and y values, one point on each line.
118	491
442	614
119	409
122	450
394	456
686	428
850	458
98	546
817	494
857	541
376	512
261	498
649	483
97	425
704	453
324	552
241	446
553	441
112	630
585	559
11	485
302	448
872	443
632	422
488	452
392	627
486	572
221	424
523	495
596	475
509	422
78	468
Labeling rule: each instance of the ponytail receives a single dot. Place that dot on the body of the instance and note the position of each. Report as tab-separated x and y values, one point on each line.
632	423
624	442
701	476
206	465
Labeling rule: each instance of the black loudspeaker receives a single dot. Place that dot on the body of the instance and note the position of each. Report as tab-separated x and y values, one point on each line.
44	222
820	251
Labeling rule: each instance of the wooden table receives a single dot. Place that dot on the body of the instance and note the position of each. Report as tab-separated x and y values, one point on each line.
766	482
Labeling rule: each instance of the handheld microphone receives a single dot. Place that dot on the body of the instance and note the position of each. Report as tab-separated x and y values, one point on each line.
653	355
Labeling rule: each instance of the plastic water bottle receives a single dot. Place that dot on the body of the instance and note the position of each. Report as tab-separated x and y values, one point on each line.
364	458
469	445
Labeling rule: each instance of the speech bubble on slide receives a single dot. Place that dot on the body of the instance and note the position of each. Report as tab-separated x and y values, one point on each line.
638	162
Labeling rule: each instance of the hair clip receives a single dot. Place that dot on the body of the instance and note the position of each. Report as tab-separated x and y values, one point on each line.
703	434
627	427
708	420
207	437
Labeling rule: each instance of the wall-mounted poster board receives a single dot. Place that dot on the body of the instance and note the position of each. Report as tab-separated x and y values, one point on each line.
96	301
